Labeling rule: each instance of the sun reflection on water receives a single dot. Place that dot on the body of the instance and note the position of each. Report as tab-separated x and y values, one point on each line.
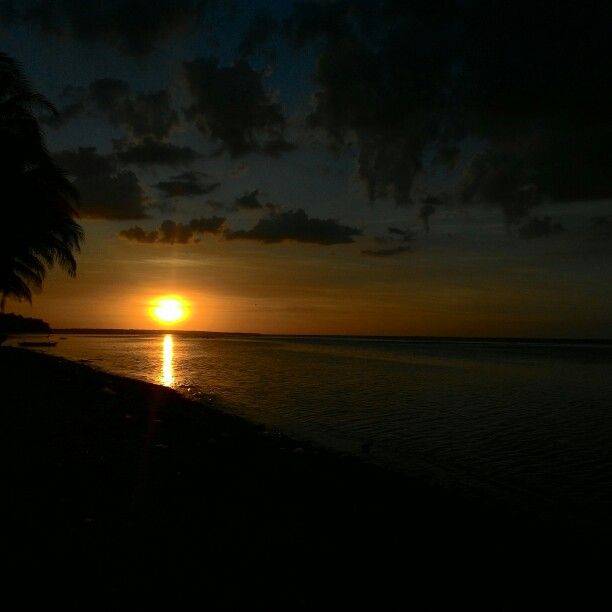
167	373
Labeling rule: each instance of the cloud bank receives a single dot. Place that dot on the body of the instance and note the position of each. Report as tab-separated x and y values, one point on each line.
171	232
298	227
230	105
509	99
135	27
104	191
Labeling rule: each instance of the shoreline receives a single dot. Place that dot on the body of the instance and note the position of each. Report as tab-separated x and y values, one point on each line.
145	497
494	340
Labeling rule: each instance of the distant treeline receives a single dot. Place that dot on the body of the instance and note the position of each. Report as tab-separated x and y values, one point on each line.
135	332
16	324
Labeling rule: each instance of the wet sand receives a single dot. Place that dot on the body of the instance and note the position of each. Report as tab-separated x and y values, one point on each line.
123	495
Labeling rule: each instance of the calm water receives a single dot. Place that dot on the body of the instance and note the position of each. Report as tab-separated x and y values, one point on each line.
525	420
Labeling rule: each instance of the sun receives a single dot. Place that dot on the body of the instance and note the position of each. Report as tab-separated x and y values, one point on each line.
169	309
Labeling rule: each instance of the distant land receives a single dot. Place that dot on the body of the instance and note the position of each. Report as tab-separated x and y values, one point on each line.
128	332
16	324
428	339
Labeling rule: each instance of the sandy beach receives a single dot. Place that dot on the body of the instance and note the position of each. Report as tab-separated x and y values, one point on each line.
122	494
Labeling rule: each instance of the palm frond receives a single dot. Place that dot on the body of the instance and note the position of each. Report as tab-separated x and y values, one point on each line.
39	201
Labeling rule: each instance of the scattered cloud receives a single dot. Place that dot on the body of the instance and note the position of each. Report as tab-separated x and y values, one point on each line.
151	152
454	93
67	113
539	227
142	114
137	234
172	232
406	235
72	105
500	179
133	26
186	184
447	156
297	226
386	252
230	105
249	201
240	169
428	208
104	192
216	204
147	118
601	228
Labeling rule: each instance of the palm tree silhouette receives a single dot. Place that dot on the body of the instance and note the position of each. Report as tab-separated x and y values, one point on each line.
37	201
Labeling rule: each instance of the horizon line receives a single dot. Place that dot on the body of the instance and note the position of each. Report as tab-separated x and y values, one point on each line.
121	330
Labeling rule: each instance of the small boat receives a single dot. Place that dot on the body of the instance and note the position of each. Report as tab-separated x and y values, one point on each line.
37	344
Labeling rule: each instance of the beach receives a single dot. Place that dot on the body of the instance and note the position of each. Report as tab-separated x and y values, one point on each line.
122	493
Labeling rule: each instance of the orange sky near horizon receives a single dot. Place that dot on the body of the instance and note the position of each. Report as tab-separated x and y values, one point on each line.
301	289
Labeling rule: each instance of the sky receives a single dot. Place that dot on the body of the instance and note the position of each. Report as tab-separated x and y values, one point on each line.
333	167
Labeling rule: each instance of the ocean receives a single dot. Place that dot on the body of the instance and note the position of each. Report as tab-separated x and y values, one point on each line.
527	421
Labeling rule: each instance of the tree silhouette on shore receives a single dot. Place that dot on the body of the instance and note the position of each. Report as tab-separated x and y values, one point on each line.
37	201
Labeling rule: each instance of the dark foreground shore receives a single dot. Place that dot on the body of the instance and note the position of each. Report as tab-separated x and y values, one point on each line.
122	495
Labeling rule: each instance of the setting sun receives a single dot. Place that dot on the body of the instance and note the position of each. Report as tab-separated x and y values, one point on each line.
169	309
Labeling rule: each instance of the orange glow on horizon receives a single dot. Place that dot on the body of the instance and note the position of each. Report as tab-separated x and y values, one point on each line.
169	310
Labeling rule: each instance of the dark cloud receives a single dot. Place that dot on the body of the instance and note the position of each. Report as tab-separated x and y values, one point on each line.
153	152
211	225
64	115
425	212
382	239
249	201
258	34
501	179
435	200
386	252
276	146
601	228
396	236
85	162
230	105
133	26
103	191
406	235
148	118
111	197
171	232
137	234
363	92
538	227
186	184
216	204
143	114
72	104
446	155
189	175
297	226
428	208
407	82
240	169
